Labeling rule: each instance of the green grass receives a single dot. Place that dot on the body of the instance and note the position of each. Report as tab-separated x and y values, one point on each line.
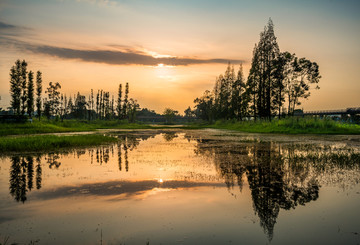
46	126
289	126
283	126
50	142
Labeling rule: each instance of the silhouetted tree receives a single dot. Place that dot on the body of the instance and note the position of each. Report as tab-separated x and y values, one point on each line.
300	74
205	106
133	107
118	107
238	105
125	104
16	88
91	104
38	93
97	103
280	70
79	110
53	98
169	115
23	84
261	75
189	113
30	94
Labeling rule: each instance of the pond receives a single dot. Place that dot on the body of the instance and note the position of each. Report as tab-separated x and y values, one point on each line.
185	187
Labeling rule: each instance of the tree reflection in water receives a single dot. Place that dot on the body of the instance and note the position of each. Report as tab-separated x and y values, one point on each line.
280	176
169	136
21	177
128	143
22	167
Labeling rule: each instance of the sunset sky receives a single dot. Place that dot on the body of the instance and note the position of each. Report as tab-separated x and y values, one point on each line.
170	52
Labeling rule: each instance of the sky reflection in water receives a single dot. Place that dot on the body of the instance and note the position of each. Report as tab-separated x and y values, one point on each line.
186	187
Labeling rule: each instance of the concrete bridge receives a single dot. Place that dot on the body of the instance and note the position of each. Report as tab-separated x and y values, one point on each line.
348	111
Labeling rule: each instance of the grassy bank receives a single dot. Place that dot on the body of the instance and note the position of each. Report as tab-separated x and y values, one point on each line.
46	126
290	126
283	126
50	142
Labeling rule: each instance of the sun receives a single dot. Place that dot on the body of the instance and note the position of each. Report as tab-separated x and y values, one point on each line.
161	65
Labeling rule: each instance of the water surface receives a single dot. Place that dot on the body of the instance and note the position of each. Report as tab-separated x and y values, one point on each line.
186	187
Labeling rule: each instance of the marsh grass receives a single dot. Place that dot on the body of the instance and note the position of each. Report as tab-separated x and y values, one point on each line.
50	142
284	126
290	126
45	126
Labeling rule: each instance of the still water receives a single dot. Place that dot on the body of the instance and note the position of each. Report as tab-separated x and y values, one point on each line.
185	187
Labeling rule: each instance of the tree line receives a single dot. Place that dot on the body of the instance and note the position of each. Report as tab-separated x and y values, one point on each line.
99	106
276	83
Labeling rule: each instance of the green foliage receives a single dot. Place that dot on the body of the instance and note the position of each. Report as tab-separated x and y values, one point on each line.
51	142
50	126
30	94
118	107
17	90
38	93
53	98
290	126
169	115
274	78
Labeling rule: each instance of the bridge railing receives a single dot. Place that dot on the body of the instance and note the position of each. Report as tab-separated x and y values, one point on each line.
354	110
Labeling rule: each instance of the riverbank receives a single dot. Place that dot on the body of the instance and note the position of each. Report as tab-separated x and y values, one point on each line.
282	126
41	127
289	126
51	142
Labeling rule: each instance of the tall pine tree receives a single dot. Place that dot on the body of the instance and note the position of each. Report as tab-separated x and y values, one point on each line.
30	94
118	107
38	93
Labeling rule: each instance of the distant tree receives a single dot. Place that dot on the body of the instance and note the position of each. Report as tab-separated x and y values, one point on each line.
101	104
222	94
169	115
301	75
23	84
91	104
66	111
15	87
261	76
132	109
125	104
189	113
47	109
97	103
252	85
38	93
70	106
80	104
107	108
238	107
281	69
112	107
53	98
62	107
118	107
30	94
205	106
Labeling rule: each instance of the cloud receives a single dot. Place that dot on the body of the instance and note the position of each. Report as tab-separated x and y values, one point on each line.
114	57
99	2
5	26
127	56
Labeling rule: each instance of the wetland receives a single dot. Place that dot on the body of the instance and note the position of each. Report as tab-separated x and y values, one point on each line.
176	186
